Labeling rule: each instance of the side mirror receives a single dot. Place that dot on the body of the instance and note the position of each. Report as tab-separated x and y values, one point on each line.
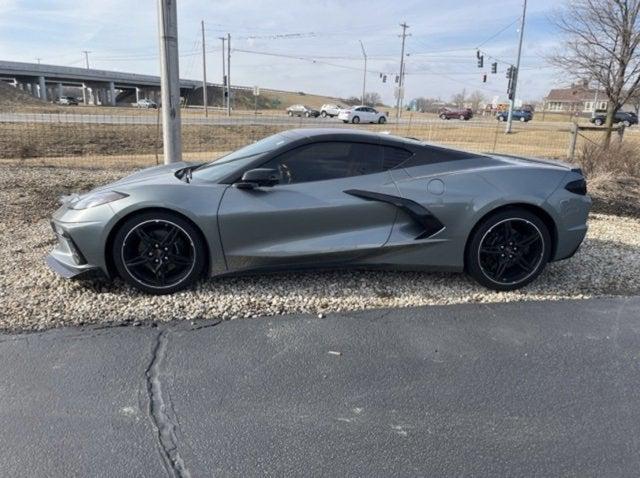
255	178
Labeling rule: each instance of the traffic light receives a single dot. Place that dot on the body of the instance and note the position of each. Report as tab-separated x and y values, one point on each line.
384	78
509	72
494	67
484	78
397	78
480	61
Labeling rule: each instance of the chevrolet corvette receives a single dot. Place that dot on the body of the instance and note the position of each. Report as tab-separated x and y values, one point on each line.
326	198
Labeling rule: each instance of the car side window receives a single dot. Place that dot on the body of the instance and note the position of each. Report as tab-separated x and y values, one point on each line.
327	160
394	157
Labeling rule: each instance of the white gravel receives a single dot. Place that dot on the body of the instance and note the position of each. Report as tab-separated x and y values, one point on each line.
33	297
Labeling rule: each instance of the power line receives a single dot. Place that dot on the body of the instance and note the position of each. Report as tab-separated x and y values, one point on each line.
498	33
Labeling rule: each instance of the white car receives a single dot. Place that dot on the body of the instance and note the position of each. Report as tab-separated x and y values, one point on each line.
330	110
362	114
145	103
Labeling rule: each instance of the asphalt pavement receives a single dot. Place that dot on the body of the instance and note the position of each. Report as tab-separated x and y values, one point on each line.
519	389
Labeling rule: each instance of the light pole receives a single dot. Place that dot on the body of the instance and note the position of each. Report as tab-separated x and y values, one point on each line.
169	80
204	74
517	72
364	77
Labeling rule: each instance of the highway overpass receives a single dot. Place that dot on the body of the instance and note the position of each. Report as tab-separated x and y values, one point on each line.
99	87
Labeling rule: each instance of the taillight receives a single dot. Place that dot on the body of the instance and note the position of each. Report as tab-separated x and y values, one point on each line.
579	186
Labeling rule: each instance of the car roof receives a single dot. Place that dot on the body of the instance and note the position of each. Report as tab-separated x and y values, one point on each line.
349	134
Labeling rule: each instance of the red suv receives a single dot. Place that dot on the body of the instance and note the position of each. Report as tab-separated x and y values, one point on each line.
462	114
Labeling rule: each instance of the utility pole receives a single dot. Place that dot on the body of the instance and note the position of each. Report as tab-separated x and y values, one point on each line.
224	75
169	80
86	58
364	78
38	59
228	74
204	75
517	71
401	79
595	100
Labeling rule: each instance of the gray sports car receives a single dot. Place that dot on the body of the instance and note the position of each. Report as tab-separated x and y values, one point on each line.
327	198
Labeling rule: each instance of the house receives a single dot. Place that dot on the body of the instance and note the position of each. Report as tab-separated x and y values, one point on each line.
577	99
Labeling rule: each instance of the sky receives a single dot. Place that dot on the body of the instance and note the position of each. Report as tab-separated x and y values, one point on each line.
311	46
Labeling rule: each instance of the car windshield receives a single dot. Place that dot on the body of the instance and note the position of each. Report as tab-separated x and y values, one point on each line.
219	168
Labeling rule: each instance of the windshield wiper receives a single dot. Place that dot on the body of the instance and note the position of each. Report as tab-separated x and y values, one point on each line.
186	173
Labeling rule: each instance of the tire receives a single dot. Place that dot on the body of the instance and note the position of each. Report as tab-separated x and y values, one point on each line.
498	262
523	119
382	120
290	113
598	122
500	118
443	117
355	120
462	118
323	114
306	114
138	249
626	124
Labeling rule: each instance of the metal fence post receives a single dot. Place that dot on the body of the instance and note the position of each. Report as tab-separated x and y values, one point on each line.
571	153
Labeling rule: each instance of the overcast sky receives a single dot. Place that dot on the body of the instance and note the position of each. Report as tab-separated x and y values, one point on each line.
122	35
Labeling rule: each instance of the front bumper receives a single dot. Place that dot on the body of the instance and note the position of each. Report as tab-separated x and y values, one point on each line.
71	271
66	259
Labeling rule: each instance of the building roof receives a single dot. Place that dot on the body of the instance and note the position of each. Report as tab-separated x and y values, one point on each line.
575	93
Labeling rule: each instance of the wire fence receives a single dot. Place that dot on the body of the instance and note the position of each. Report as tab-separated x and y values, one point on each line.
127	137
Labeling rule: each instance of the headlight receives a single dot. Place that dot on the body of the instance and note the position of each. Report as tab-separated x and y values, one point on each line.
96	199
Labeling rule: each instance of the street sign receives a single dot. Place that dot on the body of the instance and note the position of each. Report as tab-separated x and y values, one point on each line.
256	91
398	92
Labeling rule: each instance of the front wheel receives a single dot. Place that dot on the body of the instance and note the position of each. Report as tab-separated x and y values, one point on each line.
158	252
508	250
306	115
382	120
523	119
462	118
290	113
598	122
443	117
500	118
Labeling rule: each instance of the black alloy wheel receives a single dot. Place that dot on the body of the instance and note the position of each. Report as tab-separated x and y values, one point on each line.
509	250
158	253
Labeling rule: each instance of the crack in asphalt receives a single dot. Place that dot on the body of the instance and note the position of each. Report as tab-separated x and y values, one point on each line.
165	427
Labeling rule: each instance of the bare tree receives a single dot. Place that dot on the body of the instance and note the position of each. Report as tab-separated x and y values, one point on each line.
602	44
475	99
459	98
371	98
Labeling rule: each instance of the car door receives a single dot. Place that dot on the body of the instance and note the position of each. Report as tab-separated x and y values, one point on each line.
314	216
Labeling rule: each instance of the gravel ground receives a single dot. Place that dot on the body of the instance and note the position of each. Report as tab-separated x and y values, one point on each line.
33	297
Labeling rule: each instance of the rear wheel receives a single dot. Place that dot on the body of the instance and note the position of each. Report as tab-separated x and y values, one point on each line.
323	114
290	113
508	250
355	120
462	118
523	119
500	118
598	122
307	114
158	252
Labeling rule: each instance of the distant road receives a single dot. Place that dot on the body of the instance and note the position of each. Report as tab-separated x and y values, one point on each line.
245	119
519	389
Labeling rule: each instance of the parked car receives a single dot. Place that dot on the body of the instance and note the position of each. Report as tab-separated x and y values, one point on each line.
302	110
66	101
146	103
330	110
362	114
516	115
627	118
326	197
461	114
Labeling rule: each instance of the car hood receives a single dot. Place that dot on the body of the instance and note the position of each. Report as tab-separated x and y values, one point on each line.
159	173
